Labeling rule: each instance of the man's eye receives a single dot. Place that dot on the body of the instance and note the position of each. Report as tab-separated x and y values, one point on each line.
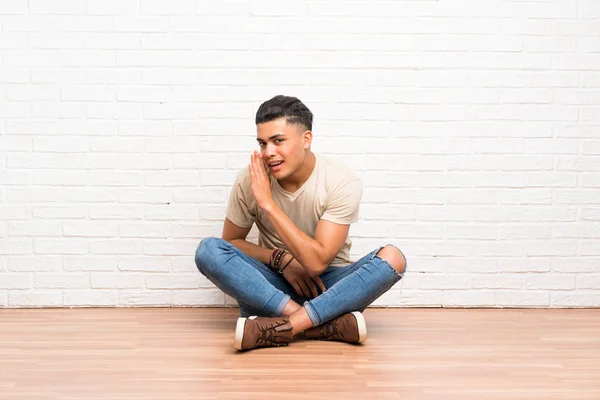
261	144
278	140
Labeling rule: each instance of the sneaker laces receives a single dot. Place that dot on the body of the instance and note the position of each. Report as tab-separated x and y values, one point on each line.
330	330
268	334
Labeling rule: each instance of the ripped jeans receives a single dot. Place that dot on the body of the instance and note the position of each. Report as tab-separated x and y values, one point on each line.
262	292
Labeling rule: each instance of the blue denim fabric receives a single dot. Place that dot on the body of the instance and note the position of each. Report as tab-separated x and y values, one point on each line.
260	291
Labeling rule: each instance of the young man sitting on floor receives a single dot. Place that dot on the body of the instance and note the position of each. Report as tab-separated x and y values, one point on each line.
299	278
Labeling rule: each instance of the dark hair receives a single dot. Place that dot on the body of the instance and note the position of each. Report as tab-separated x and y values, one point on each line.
294	111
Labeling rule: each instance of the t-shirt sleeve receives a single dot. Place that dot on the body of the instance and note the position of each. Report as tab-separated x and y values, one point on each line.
342	206
240	209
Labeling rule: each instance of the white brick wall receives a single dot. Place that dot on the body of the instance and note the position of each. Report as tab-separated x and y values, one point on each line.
474	125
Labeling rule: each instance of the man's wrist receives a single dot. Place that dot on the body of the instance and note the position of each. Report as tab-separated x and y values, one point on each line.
279	260
269	208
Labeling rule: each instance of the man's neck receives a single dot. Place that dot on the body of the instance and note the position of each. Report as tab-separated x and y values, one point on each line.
295	181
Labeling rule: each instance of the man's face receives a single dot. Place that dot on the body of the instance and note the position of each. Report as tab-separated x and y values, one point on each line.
282	146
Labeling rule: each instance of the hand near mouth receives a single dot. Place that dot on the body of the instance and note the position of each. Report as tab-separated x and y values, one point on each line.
261	184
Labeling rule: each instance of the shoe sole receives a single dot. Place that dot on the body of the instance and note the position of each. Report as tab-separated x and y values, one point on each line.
362	326
239	332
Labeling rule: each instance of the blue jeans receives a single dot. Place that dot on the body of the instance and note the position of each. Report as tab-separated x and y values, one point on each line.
262	292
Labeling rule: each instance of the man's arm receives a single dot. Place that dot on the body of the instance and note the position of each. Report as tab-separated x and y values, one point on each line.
314	254
237	237
295	273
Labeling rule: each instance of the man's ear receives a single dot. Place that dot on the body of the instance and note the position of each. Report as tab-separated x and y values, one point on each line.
306	139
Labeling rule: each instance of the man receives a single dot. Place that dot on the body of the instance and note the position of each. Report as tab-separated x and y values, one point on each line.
299	278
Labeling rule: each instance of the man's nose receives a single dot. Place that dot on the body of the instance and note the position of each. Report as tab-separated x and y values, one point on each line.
269	150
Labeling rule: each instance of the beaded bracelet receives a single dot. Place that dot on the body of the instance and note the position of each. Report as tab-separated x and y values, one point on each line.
276	257
275	250
276	253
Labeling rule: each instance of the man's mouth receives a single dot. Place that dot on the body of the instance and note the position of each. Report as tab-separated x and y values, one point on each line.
275	165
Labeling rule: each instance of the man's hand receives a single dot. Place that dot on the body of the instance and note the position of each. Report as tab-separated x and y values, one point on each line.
261	184
304	284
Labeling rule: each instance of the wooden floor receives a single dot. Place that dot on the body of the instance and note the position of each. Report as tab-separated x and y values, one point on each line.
177	353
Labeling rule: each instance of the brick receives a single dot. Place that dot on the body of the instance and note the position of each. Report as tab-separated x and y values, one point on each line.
150	298
170	281
145	230
90	263
174	178
144	94
557	247
14	7
525	299
169	249
56	145
568	265
584	131
16	246
526	196
572	299
90	229
145	195
73	280
93	298
524	265
39	298
551	282
87	93
15	280
61	246
125	247
497	281
60	178
172	145
176	7
59	40
590	248
588	281
524	232
121	280
590	214
59	212
579	163
145	264
82	23
115	178
443	282
15	75
35	228
414	298
30	58
551	179
113	76
204	297
13	177
110	7
121	212
141	24
468	298
29	23
57	7
111	41
471	265
32	93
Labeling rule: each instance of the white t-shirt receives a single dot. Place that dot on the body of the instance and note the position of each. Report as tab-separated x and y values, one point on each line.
332	192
